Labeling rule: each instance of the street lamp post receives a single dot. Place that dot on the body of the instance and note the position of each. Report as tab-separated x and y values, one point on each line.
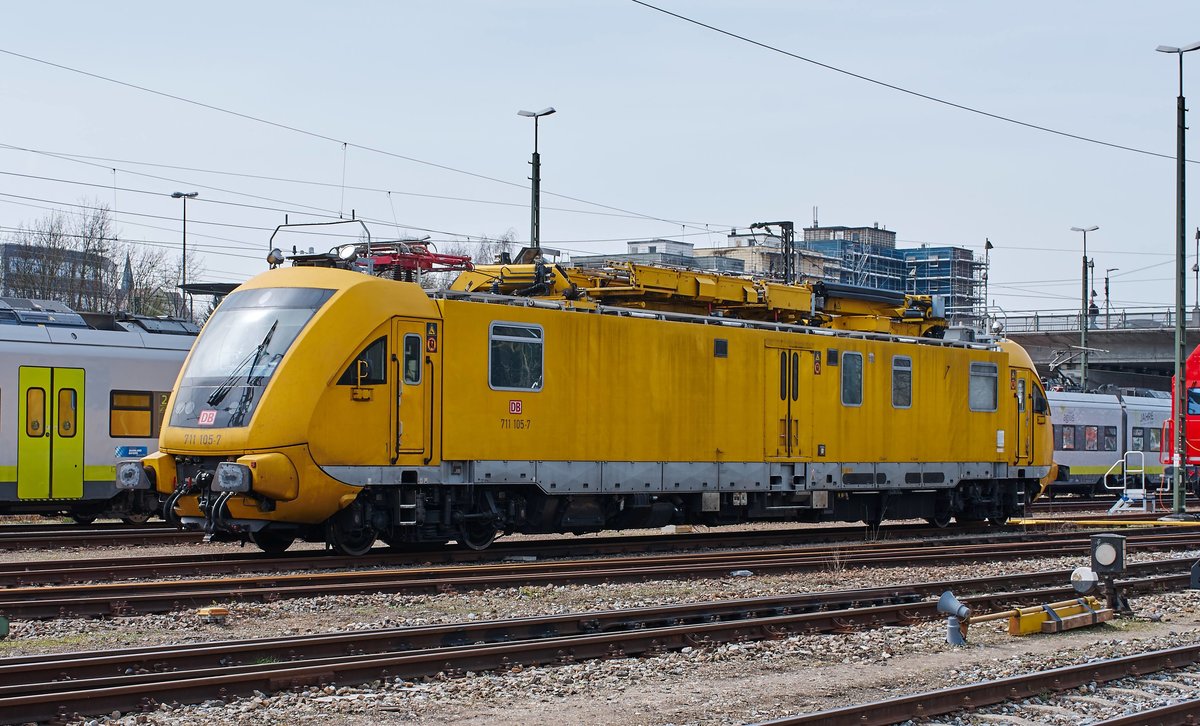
183	285
987	268
535	214
1196	270
1107	312
1179	457
1083	310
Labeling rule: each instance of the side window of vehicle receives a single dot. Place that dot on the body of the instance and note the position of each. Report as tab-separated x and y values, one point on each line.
130	414
1155	439
852	379
371	364
1138	442
983	386
1091	435
1110	438
902	382
515	357
1040	404
413	350
1068	438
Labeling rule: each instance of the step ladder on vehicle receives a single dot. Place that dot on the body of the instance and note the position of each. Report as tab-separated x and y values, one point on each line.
1132	496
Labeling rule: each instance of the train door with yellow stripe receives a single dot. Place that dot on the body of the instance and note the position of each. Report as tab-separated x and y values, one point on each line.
788	425
50	433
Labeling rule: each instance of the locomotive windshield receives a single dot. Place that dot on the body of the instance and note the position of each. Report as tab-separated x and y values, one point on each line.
238	351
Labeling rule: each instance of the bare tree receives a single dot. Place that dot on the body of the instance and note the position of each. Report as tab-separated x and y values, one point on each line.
80	260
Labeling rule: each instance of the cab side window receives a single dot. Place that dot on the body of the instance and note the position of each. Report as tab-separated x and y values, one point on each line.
371	364
412	359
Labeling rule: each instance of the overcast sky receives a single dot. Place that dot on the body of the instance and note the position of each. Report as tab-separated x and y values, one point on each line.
663	128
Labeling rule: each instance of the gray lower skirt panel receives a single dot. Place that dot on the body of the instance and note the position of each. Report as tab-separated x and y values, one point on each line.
620	477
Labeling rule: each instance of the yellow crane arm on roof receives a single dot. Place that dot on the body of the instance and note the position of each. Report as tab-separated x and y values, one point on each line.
679	290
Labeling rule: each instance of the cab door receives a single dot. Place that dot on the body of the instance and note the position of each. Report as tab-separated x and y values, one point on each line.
416	345
1022	391
50	433
788	429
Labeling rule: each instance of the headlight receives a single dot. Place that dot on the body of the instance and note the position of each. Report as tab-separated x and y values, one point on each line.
132	475
231	477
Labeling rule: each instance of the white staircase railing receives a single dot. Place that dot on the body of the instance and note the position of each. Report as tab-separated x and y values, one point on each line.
1131	467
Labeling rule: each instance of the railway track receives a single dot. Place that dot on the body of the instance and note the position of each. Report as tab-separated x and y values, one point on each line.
61	686
1116	679
35	572
127	598
58	536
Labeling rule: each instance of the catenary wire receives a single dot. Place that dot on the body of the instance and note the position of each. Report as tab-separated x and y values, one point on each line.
901	89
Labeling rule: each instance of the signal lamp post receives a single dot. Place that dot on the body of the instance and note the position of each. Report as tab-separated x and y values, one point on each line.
1107	312
1083	311
183	285
1179	458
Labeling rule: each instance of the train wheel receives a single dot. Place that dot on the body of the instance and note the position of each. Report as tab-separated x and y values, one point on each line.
84	519
940	520
350	541
136	518
478	535
273	543
997	521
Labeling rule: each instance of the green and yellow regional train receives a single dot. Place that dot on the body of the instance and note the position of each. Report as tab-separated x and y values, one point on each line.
331	405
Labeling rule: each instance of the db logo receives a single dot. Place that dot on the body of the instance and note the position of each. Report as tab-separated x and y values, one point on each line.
514	407
207	418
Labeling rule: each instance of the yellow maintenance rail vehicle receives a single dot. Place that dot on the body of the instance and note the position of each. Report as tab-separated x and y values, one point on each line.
329	404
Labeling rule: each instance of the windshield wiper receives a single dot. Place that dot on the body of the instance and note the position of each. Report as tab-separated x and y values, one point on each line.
226	386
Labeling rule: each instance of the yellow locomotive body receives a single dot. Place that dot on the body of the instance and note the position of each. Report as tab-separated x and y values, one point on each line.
329	404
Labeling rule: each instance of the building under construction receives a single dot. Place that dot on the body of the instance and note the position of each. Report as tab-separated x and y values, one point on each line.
857	256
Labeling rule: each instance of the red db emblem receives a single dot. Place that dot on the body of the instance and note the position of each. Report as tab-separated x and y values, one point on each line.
207	417
514	407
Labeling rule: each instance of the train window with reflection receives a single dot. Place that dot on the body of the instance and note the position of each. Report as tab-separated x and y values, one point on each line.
67	413
369	367
901	382
1193	403
515	357
983	386
412	359
1068	438
1091	436
130	414
35	412
1155	439
852	379
1110	438
1138	442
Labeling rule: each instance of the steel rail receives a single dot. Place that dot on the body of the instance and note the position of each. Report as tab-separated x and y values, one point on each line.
82	665
645	630
60	572
949	700
124	598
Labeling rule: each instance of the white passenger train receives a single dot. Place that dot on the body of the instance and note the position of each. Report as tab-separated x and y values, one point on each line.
77	393
1093	431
